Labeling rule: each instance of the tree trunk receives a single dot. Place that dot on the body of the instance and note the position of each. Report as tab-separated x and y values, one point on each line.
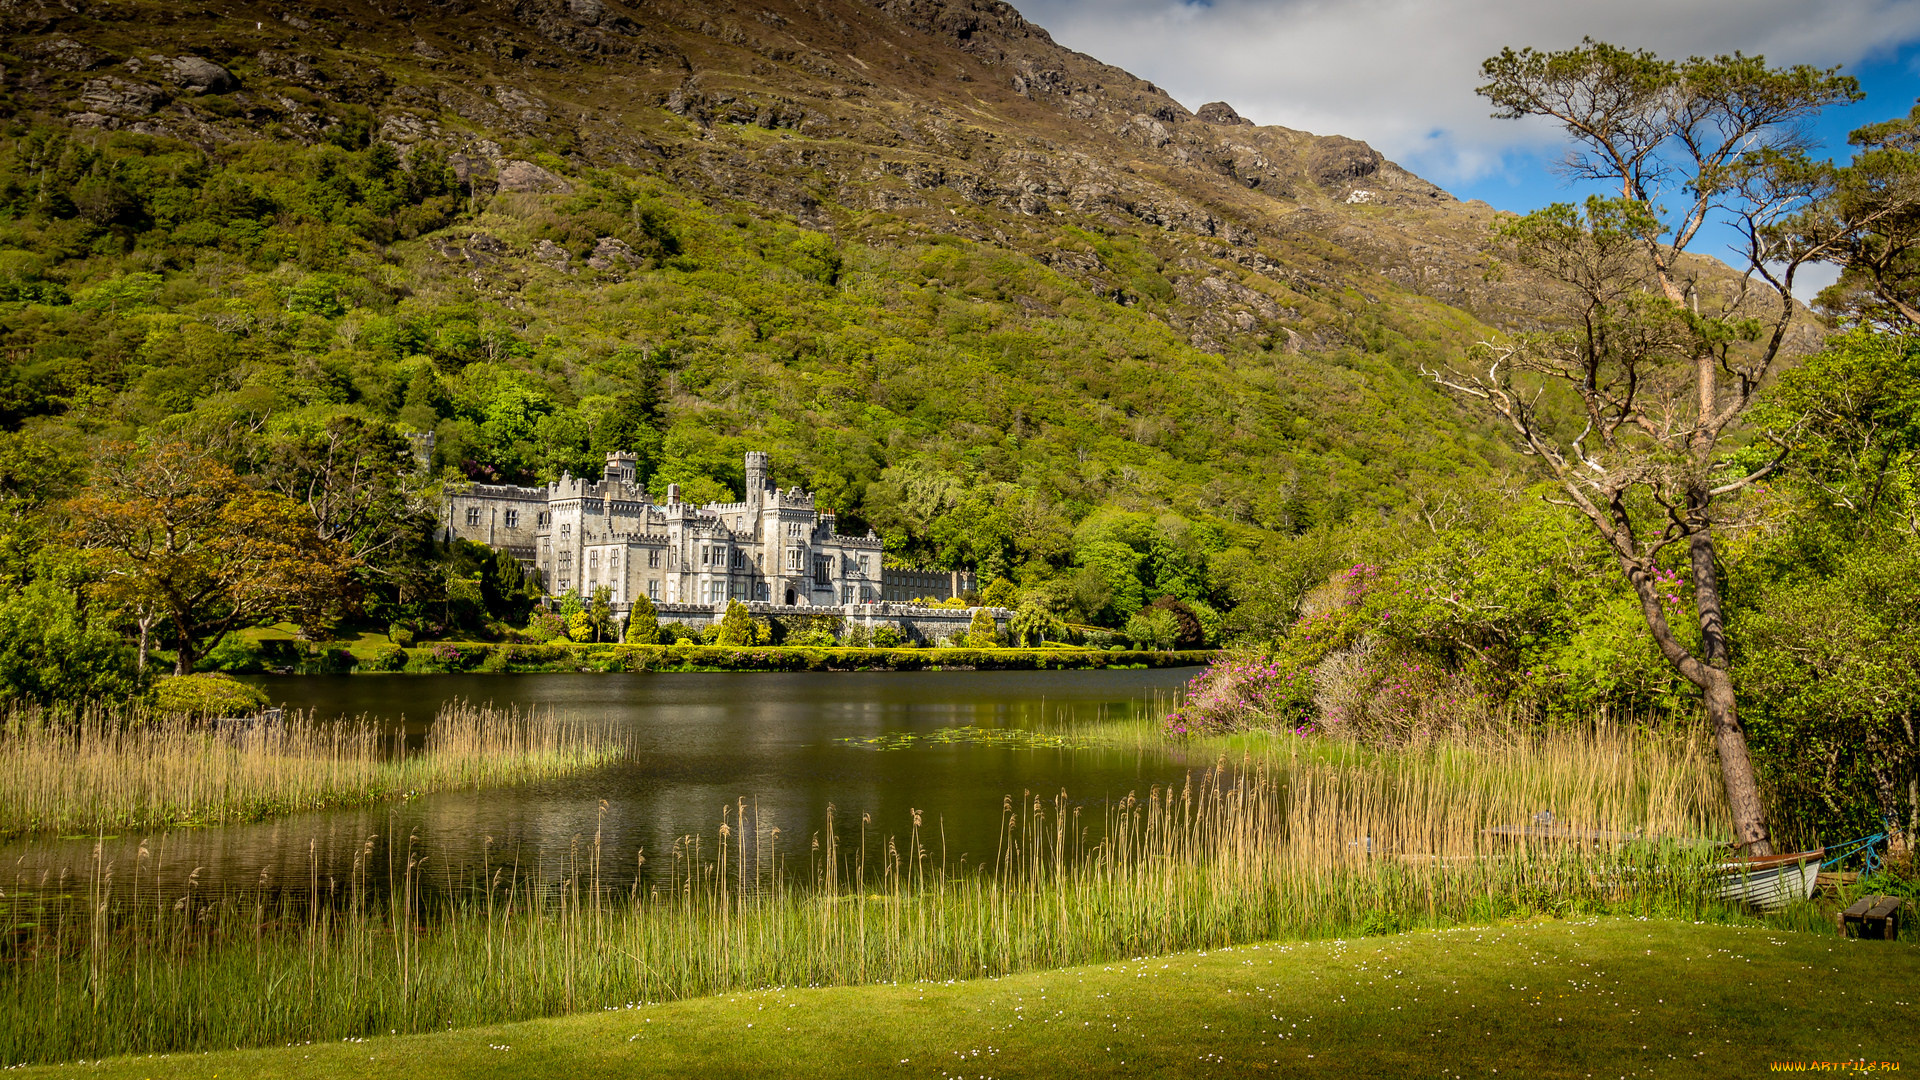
1723	716
1736	767
1716	687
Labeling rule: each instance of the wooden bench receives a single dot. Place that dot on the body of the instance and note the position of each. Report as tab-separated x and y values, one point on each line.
1873	916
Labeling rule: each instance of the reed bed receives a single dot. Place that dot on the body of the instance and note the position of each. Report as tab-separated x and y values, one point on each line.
1286	846
97	770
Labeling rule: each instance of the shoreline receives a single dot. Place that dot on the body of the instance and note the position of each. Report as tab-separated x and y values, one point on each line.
448	658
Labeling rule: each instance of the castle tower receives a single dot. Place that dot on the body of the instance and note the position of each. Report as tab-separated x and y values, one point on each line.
623	467
756	477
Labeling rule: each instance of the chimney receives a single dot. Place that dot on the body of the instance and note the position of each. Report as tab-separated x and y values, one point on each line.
673	494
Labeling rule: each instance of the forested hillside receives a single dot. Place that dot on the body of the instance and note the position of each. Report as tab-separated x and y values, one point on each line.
1104	395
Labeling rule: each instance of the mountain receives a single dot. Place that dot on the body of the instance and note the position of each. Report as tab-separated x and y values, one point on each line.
990	295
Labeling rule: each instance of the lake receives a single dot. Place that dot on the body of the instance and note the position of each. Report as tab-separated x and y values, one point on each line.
875	746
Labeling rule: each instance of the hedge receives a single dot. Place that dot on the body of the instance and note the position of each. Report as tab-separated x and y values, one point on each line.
557	656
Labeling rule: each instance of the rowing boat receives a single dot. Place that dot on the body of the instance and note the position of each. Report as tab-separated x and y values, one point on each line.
1770	882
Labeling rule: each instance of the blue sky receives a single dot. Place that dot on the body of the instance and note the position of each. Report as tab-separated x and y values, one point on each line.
1400	73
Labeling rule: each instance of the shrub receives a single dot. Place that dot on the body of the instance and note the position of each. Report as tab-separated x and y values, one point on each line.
49	650
390	658
446	658
643	623
321	660
1241	692
1154	628
236	655
982	631
208	693
736	626
400	634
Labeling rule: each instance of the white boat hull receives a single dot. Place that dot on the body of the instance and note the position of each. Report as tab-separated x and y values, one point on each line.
1770	882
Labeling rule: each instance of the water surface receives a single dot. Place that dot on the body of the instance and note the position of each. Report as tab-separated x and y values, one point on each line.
785	745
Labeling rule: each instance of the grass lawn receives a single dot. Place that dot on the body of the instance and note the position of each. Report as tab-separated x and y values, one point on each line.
1583	998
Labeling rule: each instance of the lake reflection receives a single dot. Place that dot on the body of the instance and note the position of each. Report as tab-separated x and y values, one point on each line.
704	742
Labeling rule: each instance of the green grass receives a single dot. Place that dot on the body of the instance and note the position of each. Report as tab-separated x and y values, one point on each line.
1605	997
363	643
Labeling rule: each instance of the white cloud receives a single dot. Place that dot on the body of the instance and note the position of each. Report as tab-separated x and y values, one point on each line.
1400	73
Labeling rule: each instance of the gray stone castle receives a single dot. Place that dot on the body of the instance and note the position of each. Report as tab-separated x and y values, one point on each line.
775	550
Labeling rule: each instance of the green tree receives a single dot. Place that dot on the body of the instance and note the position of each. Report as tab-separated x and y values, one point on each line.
1864	216
357	480
982	631
168	530
51	651
1657	374
736	626
600	614
643	623
1032	624
1001	594
1153	628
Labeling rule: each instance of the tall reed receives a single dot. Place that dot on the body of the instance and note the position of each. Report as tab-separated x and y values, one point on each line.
1288	846
106	770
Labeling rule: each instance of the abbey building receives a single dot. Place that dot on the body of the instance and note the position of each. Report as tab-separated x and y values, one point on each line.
773	547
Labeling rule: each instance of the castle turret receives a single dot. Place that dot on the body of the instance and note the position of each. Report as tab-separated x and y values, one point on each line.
756	477
623	467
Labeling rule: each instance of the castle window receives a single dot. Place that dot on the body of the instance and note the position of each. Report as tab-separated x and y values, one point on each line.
512	519
822	570
566	527
653	558
739	558
793	528
613	564
793	558
864	565
473	516
846	594
653	588
760	590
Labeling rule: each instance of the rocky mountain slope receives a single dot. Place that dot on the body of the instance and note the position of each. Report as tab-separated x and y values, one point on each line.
866	119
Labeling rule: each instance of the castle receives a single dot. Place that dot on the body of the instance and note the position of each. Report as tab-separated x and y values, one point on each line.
773	549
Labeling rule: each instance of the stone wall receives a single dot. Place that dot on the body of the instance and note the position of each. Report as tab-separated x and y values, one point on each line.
912	621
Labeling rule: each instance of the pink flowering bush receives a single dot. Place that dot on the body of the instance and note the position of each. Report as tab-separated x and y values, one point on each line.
1241	692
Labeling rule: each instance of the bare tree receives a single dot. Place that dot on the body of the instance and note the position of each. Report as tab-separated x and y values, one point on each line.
1629	390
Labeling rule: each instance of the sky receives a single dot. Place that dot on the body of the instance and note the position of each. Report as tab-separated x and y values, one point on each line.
1400	74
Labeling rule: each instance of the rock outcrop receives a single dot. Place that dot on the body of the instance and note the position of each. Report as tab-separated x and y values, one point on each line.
196	75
